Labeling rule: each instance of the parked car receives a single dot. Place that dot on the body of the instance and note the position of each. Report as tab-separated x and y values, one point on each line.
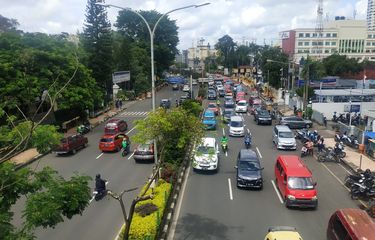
295	122
71	144
213	106
283	233
236	126
186	88
175	87
115	125
165	103
241	106
144	152
206	155
211	95
111	143
263	116
209	120
227	114
295	183
249	171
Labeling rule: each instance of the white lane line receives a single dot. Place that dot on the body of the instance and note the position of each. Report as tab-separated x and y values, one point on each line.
346	170
130	130
131	156
226	153
248	131
99	156
230	189
260	155
277	192
92	199
223	132
338	179
179	204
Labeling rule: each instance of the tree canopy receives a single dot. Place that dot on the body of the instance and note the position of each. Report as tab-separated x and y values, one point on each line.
336	65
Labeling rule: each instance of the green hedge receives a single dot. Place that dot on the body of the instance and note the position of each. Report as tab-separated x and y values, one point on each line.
147	227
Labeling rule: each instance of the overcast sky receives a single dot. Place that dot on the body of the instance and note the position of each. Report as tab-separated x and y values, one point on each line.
250	20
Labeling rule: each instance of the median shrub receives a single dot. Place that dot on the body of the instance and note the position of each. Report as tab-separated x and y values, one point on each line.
147	227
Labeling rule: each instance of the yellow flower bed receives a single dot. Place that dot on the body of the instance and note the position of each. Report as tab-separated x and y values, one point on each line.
146	227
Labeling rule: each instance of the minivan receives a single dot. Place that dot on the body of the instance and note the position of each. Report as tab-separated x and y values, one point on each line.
350	223
209	120
283	137
115	126
236	126
295	183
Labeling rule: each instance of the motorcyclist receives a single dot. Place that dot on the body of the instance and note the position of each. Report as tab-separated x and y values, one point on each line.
224	141
310	146
99	184
125	144
80	129
218	102
247	139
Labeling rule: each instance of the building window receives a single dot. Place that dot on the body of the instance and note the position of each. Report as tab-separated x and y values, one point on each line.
320	43
367	50
314	43
307	34
333	43
328	43
306	51
300	43
300	35
373	44
334	34
307	43
369	36
314	35
300	51
373	50
328	35
326	51
368	43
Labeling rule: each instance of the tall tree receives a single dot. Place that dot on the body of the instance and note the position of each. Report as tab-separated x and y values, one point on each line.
132	27
226	48
312	69
272	70
7	24
336	65
97	42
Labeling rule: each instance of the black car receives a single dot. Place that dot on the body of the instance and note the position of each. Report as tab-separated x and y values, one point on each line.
227	113
165	103
249	171
175	87
221	92
262	116
211	95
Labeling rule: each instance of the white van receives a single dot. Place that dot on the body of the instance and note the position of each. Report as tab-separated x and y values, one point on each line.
283	137
236	126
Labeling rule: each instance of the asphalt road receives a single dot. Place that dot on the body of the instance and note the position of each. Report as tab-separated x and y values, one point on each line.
102	219
213	207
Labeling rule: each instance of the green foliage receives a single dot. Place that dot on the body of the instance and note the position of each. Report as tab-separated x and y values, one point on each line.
97	42
226	49
336	65
50	198
192	107
301	90
202	92
143	227
8	24
45	137
312	69
272	69
308	113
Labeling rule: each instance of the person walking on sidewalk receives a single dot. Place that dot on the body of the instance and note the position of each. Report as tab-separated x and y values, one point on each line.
295	109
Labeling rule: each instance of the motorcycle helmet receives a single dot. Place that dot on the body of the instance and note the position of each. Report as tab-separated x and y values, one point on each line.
97	175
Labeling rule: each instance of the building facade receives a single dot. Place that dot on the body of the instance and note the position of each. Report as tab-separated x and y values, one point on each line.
196	56
345	37
371	15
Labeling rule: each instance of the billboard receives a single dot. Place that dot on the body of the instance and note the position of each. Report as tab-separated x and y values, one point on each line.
121	76
284	35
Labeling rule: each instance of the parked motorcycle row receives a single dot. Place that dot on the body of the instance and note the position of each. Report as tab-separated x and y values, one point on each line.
345	118
350	141
362	185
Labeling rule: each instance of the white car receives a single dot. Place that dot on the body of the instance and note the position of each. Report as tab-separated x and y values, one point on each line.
206	155
241	106
186	88
194	82
219	87
236	126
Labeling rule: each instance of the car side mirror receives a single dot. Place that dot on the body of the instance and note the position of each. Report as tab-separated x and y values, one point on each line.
236	167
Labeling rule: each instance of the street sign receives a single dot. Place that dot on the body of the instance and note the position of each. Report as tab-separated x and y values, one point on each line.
352	108
121	76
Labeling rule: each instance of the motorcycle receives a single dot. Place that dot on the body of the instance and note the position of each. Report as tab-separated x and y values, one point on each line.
304	151
303	135
360	190
334	118
329	156
84	128
248	142
351	141
100	194
224	146
339	150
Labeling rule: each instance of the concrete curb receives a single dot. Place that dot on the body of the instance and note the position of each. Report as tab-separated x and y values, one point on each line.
22	165
170	210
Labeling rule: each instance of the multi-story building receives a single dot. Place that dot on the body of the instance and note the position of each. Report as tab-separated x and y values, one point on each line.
196	55
346	37
183	57
371	15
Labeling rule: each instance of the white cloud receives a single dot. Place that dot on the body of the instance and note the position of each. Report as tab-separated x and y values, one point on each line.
242	19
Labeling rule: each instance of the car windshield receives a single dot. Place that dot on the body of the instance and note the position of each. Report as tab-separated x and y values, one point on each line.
286	135
256	106
300	183
228	111
241	104
264	113
249	166
236	124
205	150
209	118
106	140
211	105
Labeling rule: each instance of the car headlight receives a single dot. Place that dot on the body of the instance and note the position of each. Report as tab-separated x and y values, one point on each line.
314	198
291	197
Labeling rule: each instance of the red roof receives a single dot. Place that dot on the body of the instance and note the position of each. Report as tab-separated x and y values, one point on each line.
294	166
359	222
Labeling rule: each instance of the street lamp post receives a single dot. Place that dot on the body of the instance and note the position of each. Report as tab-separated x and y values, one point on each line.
152	34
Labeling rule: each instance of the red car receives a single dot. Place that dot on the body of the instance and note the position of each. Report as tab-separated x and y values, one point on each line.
111	142
240	96
71	144
256	103
213	107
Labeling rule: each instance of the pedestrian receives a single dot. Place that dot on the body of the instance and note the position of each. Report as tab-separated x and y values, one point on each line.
295	109
117	104
120	103
347	117
325	121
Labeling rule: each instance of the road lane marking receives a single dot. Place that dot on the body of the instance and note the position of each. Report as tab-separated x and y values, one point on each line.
223	132
230	189
99	156
93	197
179	204
277	192
131	156
130	130
346	170
226	153
260	155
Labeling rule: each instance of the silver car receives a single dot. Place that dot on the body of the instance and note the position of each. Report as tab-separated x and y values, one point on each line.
296	122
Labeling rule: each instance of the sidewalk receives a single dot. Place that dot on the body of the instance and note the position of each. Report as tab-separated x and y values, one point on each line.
32	154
